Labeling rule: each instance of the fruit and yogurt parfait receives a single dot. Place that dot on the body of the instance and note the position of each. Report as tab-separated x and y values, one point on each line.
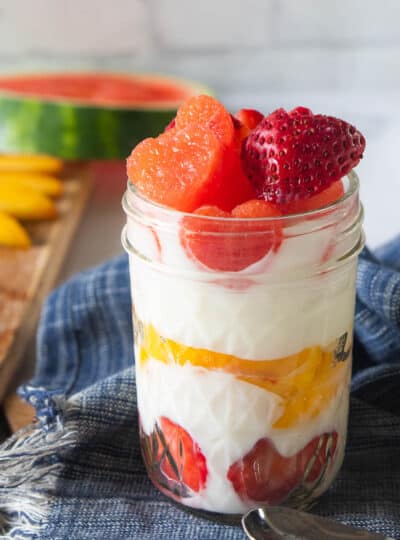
243	234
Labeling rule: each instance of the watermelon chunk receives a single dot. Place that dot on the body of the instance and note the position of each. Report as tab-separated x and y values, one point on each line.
179	169
206	112
231	245
233	187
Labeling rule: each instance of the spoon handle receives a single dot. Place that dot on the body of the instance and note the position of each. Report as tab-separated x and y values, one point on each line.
287	523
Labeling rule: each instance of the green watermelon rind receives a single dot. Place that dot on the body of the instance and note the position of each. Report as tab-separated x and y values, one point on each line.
72	130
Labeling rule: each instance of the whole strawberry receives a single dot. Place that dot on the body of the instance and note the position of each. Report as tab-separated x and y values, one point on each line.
294	155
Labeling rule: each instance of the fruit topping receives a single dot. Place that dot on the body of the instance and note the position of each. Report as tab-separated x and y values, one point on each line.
295	155
231	245
264	475
208	157
206	112
234	187
249	117
194	162
244	121
179	169
330	195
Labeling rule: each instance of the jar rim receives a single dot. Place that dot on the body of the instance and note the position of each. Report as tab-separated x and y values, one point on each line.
353	186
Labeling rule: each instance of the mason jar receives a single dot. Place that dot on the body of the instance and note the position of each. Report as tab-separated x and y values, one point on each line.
243	335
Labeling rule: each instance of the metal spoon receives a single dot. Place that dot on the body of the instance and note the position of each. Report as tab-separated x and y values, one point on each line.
277	522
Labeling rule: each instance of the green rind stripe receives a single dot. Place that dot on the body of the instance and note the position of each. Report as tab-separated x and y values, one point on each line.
75	132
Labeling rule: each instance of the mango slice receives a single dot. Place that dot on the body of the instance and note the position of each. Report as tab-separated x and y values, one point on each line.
26	203
30	163
306	382
44	183
12	233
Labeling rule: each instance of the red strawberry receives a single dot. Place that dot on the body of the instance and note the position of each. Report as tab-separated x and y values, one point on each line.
237	124
184	461
249	117
264	475
227	245
244	121
294	155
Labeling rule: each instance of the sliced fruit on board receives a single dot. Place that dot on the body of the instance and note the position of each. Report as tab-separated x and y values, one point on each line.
44	183
86	115
30	163
264	475
12	233
26	203
231	245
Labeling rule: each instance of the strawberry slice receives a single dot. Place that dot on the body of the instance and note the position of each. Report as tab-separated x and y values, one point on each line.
230	245
207	112
294	155
181	458
264	475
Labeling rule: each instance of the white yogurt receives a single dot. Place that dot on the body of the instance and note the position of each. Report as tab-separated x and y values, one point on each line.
226	417
264	322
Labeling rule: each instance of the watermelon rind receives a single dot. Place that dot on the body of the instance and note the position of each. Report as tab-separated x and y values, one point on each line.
74	130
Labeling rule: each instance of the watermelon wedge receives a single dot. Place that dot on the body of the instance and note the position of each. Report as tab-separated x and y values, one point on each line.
86	115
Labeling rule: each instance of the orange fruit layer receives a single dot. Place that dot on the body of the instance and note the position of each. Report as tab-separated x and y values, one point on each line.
306	382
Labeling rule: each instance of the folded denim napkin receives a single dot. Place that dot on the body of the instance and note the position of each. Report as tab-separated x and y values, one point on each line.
77	472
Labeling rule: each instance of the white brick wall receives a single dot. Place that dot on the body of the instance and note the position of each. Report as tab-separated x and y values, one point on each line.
233	45
338	22
77	27
212	24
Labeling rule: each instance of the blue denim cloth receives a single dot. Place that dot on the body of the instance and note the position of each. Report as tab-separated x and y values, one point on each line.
77	474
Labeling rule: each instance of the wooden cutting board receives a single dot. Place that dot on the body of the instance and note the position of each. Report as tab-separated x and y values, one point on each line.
27	276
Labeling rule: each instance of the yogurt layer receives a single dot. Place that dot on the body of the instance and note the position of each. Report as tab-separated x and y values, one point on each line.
264	321
226	417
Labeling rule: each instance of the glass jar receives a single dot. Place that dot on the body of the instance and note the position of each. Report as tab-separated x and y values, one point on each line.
243	336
